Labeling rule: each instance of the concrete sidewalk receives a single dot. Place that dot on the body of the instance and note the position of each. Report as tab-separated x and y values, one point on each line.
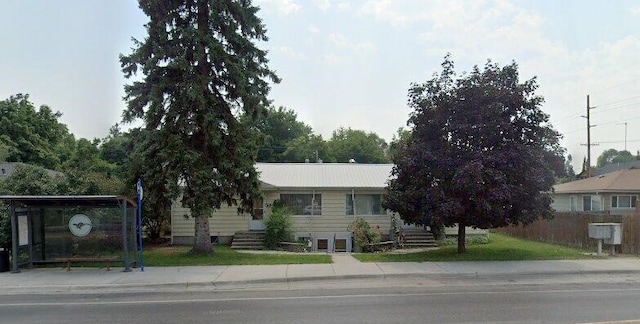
344	266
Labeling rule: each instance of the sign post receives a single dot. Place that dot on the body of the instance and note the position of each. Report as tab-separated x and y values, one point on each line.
139	191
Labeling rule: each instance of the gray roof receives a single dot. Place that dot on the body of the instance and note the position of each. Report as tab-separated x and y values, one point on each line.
323	175
8	168
627	180
79	200
612	167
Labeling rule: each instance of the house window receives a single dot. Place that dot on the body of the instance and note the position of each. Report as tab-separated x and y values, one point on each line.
623	201
258	209
574	203
322	245
591	203
340	245
302	204
364	205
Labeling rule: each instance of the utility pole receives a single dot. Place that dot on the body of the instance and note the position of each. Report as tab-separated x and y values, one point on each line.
588	117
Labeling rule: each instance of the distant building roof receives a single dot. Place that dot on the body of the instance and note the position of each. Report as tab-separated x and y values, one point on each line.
627	180
323	175
612	167
8	168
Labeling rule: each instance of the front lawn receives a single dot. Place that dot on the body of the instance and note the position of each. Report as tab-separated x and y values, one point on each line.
223	255
499	248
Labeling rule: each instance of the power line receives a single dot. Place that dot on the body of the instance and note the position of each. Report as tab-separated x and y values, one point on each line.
618	107
616	86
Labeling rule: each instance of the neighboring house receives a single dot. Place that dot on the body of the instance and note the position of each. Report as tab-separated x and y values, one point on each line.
616	192
7	168
323	197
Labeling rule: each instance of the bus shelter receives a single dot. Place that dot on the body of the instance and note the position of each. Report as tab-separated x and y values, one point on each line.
47	228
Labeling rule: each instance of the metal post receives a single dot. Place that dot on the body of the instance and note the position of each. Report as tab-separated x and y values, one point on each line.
14	238
124	236
141	249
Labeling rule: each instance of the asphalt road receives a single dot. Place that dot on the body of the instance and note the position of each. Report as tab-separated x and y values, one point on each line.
542	303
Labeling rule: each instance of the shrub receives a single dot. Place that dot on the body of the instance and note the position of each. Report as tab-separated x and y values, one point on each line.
363	234
278	227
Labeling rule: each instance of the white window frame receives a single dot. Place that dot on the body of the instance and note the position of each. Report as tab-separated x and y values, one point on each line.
573	203
593	199
315	207
353	211
632	201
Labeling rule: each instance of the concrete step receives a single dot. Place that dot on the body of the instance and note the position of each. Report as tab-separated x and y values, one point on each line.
248	240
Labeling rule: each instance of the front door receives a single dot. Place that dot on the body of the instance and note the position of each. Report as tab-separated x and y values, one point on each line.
257	216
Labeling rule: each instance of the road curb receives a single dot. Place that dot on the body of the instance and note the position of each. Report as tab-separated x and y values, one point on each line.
213	285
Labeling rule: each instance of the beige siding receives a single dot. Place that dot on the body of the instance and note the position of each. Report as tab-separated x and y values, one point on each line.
223	222
333	219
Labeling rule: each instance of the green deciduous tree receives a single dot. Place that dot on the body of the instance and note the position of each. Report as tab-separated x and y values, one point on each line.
202	92
614	156
346	144
481	152
279	127
308	148
29	135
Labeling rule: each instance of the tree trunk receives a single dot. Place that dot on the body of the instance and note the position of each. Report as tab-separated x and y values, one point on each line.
202	236
461	238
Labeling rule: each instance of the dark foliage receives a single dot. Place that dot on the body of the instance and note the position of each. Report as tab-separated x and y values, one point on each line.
481	152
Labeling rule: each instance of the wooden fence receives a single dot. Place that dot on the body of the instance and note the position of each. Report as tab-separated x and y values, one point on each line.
571	229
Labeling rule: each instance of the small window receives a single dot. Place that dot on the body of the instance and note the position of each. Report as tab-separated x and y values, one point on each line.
573	203
364	205
623	201
322	244
340	245
303	204
258	209
591	203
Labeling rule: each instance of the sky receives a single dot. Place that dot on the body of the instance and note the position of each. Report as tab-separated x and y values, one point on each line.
350	63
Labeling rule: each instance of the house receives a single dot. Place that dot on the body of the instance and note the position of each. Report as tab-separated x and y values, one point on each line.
8	168
616	192
324	199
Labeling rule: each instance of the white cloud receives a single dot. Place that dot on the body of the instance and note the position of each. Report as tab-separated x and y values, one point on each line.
288	52
635	11
313	29
341	41
283	7
323	5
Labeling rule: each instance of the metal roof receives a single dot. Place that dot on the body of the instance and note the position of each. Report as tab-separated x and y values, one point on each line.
105	201
323	175
627	180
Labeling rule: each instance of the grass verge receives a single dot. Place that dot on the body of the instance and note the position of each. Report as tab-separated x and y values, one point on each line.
224	255
499	248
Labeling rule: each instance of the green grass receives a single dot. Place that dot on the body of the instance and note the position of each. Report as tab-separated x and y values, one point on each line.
499	248
223	255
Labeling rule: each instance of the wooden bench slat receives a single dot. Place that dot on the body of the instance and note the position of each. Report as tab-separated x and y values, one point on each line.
69	260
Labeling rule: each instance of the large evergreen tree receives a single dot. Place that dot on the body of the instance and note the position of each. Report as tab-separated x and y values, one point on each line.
481	152
202	75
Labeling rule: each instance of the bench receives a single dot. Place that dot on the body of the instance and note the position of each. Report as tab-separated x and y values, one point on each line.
69	260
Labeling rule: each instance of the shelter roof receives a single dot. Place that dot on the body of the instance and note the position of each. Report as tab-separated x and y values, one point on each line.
99	201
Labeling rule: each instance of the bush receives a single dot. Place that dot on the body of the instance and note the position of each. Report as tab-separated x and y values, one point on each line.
363	234
278	227
469	239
